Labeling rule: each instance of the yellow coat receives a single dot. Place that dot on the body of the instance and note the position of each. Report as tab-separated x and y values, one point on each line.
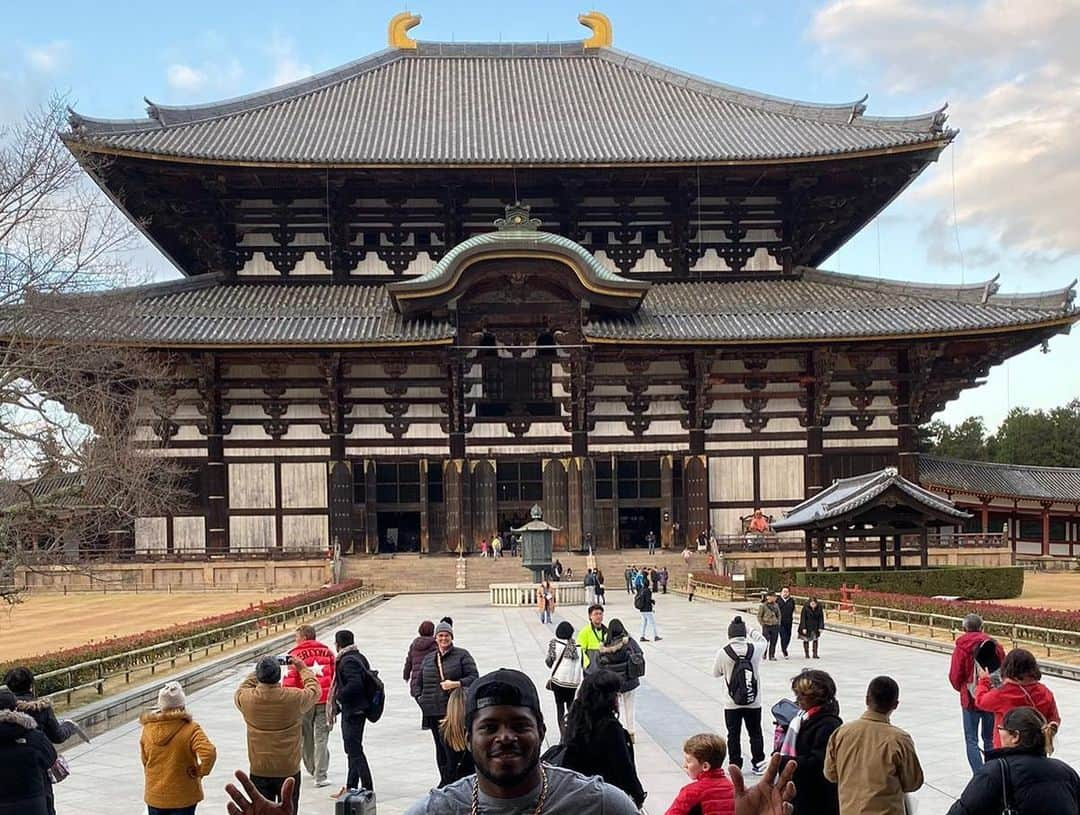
176	756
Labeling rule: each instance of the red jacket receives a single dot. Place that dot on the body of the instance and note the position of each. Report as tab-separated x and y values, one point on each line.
1010	695
712	791
321	661
963	663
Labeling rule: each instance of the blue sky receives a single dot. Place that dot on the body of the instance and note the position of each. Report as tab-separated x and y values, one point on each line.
1001	201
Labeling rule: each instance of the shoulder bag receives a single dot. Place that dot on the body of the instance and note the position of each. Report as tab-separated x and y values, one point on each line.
1006	808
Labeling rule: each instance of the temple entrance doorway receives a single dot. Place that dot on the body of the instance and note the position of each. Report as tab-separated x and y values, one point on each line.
399	532
635	523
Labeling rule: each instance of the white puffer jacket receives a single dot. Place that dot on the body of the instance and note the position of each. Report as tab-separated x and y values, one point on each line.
567	672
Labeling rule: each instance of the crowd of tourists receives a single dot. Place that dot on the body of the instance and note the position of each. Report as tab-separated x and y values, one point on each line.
487	730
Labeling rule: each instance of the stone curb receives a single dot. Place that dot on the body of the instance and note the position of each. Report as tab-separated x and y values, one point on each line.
98	717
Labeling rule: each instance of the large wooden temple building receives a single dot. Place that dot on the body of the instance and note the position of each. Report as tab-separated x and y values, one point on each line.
433	287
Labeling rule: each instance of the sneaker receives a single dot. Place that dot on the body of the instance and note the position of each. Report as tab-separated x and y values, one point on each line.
644	639
758	768
321	782
658	638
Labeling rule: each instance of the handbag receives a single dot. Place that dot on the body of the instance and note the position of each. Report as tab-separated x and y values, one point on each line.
1006	808
554	670
59	770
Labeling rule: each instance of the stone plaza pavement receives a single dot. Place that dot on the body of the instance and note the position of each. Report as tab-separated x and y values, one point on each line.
678	697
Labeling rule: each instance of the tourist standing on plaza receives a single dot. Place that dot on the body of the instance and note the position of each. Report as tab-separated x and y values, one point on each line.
807	739
873	763
422	645
1019	777
963	678
592	636
663	580
621	655
20	681
811	624
630	572
315	729
601	592
176	755
273	716
710	791
596	742
1020	687
768	616
444	669
738	663
650	540
545	601
589	581
26	755
643	602
351	696
496	546
564	659
786	603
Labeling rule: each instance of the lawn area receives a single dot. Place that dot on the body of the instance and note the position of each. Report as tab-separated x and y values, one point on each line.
1057	590
48	622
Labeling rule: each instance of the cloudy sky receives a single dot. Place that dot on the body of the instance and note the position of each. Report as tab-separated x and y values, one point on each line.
1002	201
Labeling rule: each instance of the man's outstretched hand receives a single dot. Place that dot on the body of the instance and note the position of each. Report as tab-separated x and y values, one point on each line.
769	796
254	803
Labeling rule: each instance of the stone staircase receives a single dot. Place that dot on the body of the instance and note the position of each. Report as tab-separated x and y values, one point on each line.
437	573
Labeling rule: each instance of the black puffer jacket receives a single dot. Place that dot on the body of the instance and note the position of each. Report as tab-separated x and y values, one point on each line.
1037	785
814	794
615	657
414	661
25	755
811	621
608	753
42	711
457	664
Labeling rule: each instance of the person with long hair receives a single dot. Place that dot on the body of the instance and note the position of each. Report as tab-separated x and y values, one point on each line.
807	739
1020	776
1020	687
596	743
545	601
621	655
455	737
564	659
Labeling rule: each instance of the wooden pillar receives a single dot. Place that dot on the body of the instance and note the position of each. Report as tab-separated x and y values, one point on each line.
555	501
907	447
580	481
696	490
819	369
822	537
371	517
217	482
667	503
924	546
984	515
340	481
842	548
898	557
457	476
884	554
1046	527
809	542
425	532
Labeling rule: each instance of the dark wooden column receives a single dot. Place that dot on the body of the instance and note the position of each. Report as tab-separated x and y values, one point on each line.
214	427
819	366
1046	527
842	548
555	501
667	503
898	557
425	534
696	490
455	492
484	508
884	555
924	548
457	475
809	543
696	464
340	498
371	517
984	515
822	536
580	482
907	448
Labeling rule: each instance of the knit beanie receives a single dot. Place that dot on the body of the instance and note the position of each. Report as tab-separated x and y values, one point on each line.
444	628
268	671
736	628
171	696
564	630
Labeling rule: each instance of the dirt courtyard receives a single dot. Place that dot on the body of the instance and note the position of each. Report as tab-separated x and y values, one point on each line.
1056	590
48	622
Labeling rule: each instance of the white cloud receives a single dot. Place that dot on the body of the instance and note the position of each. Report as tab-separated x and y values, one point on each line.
49	58
287	66
185	78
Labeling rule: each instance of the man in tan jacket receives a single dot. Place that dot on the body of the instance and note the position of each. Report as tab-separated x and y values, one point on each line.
873	763
273	715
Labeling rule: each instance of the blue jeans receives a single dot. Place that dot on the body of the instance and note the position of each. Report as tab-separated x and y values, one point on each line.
973	719
545	616
648	618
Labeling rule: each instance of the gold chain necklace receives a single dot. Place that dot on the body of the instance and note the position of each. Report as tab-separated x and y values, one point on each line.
539	804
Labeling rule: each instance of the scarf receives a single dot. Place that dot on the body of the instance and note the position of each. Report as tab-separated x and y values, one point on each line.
331	701
792	734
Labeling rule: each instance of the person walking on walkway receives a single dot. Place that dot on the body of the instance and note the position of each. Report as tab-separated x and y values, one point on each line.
806	742
589	581
592	636
315	729
1019	777
643	602
422	645
873	763
351	697
811	624
963	678
768	616
621	655
738	664
1020	687
273	716
786	603
545	601
26	754
564	659
601	592
446	668
176	755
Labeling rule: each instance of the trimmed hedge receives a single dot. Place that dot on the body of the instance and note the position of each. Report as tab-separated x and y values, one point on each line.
771	577
970	583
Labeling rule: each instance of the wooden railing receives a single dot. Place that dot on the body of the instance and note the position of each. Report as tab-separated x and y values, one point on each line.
168	654
61	556
749	542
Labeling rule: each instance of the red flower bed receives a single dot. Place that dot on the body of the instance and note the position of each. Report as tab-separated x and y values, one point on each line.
163	642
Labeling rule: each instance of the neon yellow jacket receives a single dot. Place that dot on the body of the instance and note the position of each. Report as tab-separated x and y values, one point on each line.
588	640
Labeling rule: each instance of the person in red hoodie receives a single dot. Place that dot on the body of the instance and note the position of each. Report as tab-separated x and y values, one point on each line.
710	791
315	726
1020	687
962	677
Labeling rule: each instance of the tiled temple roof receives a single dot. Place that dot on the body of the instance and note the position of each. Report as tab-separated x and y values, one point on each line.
1004	480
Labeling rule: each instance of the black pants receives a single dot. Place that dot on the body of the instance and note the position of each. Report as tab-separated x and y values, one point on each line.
270	788
445	757
806	648
564	697
785	636
181	811
734	719
352	734
771	633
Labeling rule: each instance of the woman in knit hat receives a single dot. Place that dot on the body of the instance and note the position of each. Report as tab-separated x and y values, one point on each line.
176	755
446	668
564	659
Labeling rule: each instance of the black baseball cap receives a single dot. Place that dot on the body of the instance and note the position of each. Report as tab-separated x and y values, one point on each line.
502	687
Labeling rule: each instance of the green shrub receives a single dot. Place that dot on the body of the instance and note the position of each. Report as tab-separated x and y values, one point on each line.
971	583
774	577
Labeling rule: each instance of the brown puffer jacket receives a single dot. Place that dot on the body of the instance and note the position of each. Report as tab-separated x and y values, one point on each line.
273	715
172	744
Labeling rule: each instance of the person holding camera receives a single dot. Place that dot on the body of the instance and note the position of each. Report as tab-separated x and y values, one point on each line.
274	716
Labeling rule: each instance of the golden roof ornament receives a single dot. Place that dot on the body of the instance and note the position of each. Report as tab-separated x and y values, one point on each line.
399	25
600	26
517	219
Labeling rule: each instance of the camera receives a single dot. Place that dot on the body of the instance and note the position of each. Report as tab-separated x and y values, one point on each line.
283	659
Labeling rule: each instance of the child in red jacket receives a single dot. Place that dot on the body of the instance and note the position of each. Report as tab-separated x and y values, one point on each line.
710	790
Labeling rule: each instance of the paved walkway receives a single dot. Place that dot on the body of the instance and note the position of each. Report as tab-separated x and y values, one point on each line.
678	697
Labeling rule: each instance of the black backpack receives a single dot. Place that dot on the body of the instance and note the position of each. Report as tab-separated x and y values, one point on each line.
639	599
742	684
376	694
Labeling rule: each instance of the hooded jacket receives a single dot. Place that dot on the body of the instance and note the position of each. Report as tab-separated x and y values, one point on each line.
414	661
273	716
25	755
171	745
615	657
1011	694
1037	785
320	659
42	712
962	666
